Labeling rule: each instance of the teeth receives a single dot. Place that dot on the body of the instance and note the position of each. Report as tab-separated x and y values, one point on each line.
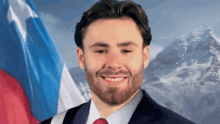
114	79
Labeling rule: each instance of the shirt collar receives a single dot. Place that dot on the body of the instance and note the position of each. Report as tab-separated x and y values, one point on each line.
116	117
93	113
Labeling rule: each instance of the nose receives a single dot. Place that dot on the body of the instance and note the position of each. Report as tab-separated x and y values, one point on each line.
114	68
114	62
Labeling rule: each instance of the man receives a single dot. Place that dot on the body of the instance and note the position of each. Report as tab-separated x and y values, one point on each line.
113	41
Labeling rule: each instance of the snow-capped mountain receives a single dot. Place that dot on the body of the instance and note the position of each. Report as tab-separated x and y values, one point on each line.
184	77
76	70
82	84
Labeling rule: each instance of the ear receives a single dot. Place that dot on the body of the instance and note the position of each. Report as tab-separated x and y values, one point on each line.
146	56
80	57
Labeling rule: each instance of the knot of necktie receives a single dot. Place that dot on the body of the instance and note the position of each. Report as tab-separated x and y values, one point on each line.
100	121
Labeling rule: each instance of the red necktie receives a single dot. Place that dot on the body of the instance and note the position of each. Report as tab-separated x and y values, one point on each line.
100	121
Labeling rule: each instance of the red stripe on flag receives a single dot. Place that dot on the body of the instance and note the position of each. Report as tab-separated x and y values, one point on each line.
14	104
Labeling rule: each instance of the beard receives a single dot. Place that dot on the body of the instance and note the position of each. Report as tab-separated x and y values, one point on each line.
114	95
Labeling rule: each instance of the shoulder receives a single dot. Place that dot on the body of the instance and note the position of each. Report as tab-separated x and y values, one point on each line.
160	114
70	112
169	116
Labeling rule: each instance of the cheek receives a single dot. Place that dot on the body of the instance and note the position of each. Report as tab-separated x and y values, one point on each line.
94	62
135	62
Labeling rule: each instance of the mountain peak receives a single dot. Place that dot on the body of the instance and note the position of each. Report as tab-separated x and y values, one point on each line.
200	33
201	45
208	27
197	31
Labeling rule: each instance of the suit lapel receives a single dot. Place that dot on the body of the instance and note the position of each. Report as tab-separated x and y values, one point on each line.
146	112
82	114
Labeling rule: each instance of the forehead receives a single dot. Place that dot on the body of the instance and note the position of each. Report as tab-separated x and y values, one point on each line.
113	31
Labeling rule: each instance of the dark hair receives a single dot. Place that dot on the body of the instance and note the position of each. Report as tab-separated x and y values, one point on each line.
112	9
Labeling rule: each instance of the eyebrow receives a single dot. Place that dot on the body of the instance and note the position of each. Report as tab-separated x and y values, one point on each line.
124	44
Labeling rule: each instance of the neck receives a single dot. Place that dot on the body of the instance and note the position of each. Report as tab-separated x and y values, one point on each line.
105	109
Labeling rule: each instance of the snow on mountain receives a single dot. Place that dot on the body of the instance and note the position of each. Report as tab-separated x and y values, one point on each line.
187	73
76	70
183	77
79	78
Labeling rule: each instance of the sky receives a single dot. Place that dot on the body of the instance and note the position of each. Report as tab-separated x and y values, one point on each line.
168	20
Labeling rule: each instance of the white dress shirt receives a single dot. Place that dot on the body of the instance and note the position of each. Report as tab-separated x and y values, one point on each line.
121	116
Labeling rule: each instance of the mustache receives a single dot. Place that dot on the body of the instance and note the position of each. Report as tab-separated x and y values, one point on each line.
109	72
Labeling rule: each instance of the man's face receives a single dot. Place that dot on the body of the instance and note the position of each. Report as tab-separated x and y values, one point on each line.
113	59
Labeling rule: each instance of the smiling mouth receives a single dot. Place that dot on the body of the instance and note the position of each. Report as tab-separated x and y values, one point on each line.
112	77
115	79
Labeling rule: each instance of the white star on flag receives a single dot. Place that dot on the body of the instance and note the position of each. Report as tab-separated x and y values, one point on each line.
19	11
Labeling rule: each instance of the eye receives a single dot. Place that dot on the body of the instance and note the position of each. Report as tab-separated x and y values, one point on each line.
100	51
126	51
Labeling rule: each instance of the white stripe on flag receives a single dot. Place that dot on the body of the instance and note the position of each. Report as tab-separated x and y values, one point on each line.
69	95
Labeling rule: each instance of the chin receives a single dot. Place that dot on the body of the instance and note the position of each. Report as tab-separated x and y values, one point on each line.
115	95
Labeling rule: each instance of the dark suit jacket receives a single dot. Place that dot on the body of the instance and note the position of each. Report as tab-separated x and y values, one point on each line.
147	112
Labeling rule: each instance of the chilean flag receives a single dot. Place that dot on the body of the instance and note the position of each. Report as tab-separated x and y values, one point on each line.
33	76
